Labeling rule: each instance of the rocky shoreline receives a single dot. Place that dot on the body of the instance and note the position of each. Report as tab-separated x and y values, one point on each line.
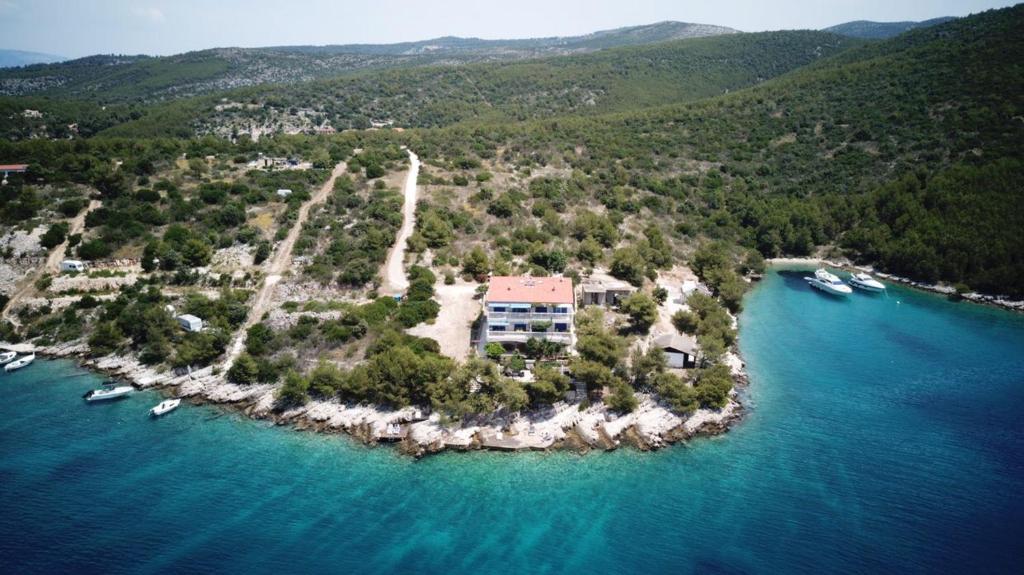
564	426
942	289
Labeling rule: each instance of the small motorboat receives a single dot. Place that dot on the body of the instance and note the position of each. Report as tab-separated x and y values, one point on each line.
20	362
828	283
164	407
108	393
865	282
7	356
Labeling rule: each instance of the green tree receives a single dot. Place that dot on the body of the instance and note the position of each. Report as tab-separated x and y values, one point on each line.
476	263
196	252
642	311
494	350
244	370
629	264
105	339
622	398
295	390
54	236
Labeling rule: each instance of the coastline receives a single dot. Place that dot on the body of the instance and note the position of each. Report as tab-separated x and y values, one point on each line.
1002	302
563	426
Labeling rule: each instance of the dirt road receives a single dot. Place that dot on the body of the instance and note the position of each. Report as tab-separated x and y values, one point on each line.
279	262
52	265
395	281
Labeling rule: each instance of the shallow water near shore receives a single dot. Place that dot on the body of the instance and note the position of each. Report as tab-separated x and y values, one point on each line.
884	434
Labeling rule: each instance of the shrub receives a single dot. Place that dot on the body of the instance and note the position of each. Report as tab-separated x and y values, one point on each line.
244	370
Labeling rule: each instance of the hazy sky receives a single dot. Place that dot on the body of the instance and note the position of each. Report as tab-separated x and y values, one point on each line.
80	27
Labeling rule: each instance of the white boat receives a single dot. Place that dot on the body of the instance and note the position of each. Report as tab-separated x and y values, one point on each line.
7	356
828	283
20	362
165	406
108	393
865	282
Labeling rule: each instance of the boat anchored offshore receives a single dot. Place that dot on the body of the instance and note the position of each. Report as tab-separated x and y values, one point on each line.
828	283
7	356
20	362
865	282
108	393
164	407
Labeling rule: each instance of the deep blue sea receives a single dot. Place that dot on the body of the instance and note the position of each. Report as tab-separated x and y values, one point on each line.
886	434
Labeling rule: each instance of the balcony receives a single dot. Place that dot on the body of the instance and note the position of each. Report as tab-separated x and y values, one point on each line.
530	317
564	337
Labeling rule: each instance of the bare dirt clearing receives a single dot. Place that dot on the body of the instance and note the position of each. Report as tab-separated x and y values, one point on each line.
451	329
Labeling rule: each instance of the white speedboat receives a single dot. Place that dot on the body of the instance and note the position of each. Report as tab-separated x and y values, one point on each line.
164	407
7	356
865	282
20	362
828	283
108	393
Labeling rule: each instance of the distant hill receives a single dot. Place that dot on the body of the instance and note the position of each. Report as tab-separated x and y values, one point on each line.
618	79
881	30
12	58
141	78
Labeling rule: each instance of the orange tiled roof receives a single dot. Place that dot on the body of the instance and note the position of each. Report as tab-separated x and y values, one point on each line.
13	167
525	289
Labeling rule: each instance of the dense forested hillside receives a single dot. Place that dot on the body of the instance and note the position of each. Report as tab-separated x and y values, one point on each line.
610	80
882	30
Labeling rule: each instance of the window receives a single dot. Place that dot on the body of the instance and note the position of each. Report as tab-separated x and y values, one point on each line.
519	327
563	327
497	328
541	309
561	309
498	308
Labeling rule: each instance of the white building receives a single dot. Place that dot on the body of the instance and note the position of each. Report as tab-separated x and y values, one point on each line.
284	193
190	322
72	266
518	308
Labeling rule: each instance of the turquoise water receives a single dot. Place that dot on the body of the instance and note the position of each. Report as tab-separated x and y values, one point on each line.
885	435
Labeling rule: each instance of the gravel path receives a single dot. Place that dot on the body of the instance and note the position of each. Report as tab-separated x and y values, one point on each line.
395	281
57	254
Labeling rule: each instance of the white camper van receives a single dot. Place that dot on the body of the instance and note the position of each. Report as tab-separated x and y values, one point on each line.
72	266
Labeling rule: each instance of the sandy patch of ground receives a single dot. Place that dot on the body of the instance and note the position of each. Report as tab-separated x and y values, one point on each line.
458	312
672	280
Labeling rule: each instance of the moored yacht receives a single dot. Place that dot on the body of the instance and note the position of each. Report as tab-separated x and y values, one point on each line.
828	283
108	393
865	282
20	362
7	356
164	407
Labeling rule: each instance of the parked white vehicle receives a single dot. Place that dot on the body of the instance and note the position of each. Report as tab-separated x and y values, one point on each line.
72	266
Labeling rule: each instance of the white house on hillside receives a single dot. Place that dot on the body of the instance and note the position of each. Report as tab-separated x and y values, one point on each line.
518	308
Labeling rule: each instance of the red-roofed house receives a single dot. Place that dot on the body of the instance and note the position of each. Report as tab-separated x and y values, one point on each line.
521	307
12	168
